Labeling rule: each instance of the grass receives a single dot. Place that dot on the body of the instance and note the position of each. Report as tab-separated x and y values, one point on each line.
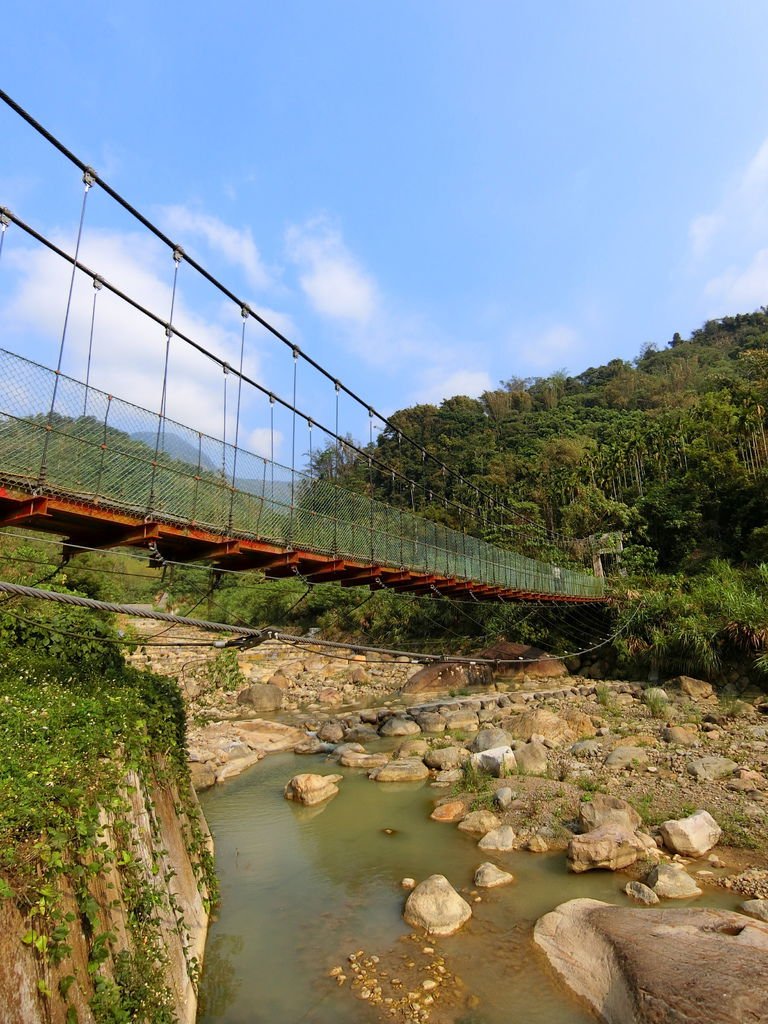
478	782
657	702
604	695
731	706
738	830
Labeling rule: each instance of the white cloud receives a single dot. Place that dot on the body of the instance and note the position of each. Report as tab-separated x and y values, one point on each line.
236	245
333	281
702	233
742	288
261	441
727	243
445	384
129	349
550	348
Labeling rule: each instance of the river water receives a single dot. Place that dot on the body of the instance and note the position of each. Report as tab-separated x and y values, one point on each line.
301	888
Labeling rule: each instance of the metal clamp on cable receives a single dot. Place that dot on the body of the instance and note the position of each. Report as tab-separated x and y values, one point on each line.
244	643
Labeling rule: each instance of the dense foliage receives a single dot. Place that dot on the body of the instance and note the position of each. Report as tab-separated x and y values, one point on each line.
671	449
74	720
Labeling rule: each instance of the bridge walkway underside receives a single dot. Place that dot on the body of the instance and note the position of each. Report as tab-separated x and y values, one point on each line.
85	524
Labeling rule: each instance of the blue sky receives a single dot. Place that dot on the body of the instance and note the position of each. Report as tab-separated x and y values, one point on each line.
427	196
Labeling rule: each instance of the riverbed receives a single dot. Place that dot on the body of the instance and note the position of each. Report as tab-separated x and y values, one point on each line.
302	888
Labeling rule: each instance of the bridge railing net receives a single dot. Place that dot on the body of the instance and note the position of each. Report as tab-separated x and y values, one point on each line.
65	439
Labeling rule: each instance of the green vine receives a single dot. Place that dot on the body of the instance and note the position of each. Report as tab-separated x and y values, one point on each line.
75	723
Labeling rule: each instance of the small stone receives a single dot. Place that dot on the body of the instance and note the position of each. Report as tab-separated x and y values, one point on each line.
408	883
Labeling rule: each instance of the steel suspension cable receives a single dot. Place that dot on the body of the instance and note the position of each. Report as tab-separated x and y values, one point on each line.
219	361
96	290
158	233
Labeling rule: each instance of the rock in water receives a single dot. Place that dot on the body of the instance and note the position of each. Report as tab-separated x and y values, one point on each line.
693	836
399	726
672	882
501	838
755	908
641	893
488	876
479	822
403	770
640	967
436	906
312	789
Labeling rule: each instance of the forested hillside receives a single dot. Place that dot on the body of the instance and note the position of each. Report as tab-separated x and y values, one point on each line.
670	448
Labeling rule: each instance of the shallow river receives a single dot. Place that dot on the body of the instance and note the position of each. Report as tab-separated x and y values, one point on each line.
303	887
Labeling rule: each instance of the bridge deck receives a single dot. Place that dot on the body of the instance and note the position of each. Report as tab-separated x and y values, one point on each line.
99	472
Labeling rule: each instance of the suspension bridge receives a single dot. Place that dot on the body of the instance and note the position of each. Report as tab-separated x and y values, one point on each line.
101	472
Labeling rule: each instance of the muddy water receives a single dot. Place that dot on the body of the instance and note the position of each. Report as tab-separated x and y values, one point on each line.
304	887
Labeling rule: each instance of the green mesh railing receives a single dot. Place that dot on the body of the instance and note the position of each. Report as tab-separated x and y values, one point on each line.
103	450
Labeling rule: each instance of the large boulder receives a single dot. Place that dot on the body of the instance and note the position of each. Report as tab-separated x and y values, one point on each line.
672	882
609	847
446	757
404	769
413	746
312	789
602	809
502	839
331	731
463	719
436	906
692	836
531	758
261	697
523	660
356	759
442	677
755	908
479	822
430	722
696	689
486	739
399	726
498	762
543	723
679	735
675	966
579	722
